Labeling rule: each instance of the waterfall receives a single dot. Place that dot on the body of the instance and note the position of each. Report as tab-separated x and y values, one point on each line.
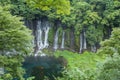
1	71
42	27
81	42
46	31
85	45
93	48
39	36
56	40
63	40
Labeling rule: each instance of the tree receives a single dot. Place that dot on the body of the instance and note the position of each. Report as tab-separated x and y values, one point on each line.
110	69
60	6
111	45
20	8
15	43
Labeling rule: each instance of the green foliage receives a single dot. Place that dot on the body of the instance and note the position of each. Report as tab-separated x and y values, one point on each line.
30	78
4	2
77	42
90	66
88	19
94	34
110	69
13	34
51	36
86	58
12	66
69	20
60	30
80	66
60	6
93	16
112	45
80	10
22	9
15	42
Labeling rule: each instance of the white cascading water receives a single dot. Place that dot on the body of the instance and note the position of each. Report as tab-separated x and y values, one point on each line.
1	71
46	31
39	36
85	45
56	41
93	48
63	40
40	53
81	42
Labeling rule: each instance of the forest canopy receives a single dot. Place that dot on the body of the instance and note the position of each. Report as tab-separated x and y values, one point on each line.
60	6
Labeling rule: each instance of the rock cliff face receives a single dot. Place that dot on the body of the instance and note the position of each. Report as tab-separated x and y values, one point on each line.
55	35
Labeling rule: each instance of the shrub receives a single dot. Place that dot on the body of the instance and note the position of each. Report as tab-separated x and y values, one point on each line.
110	69
80	66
